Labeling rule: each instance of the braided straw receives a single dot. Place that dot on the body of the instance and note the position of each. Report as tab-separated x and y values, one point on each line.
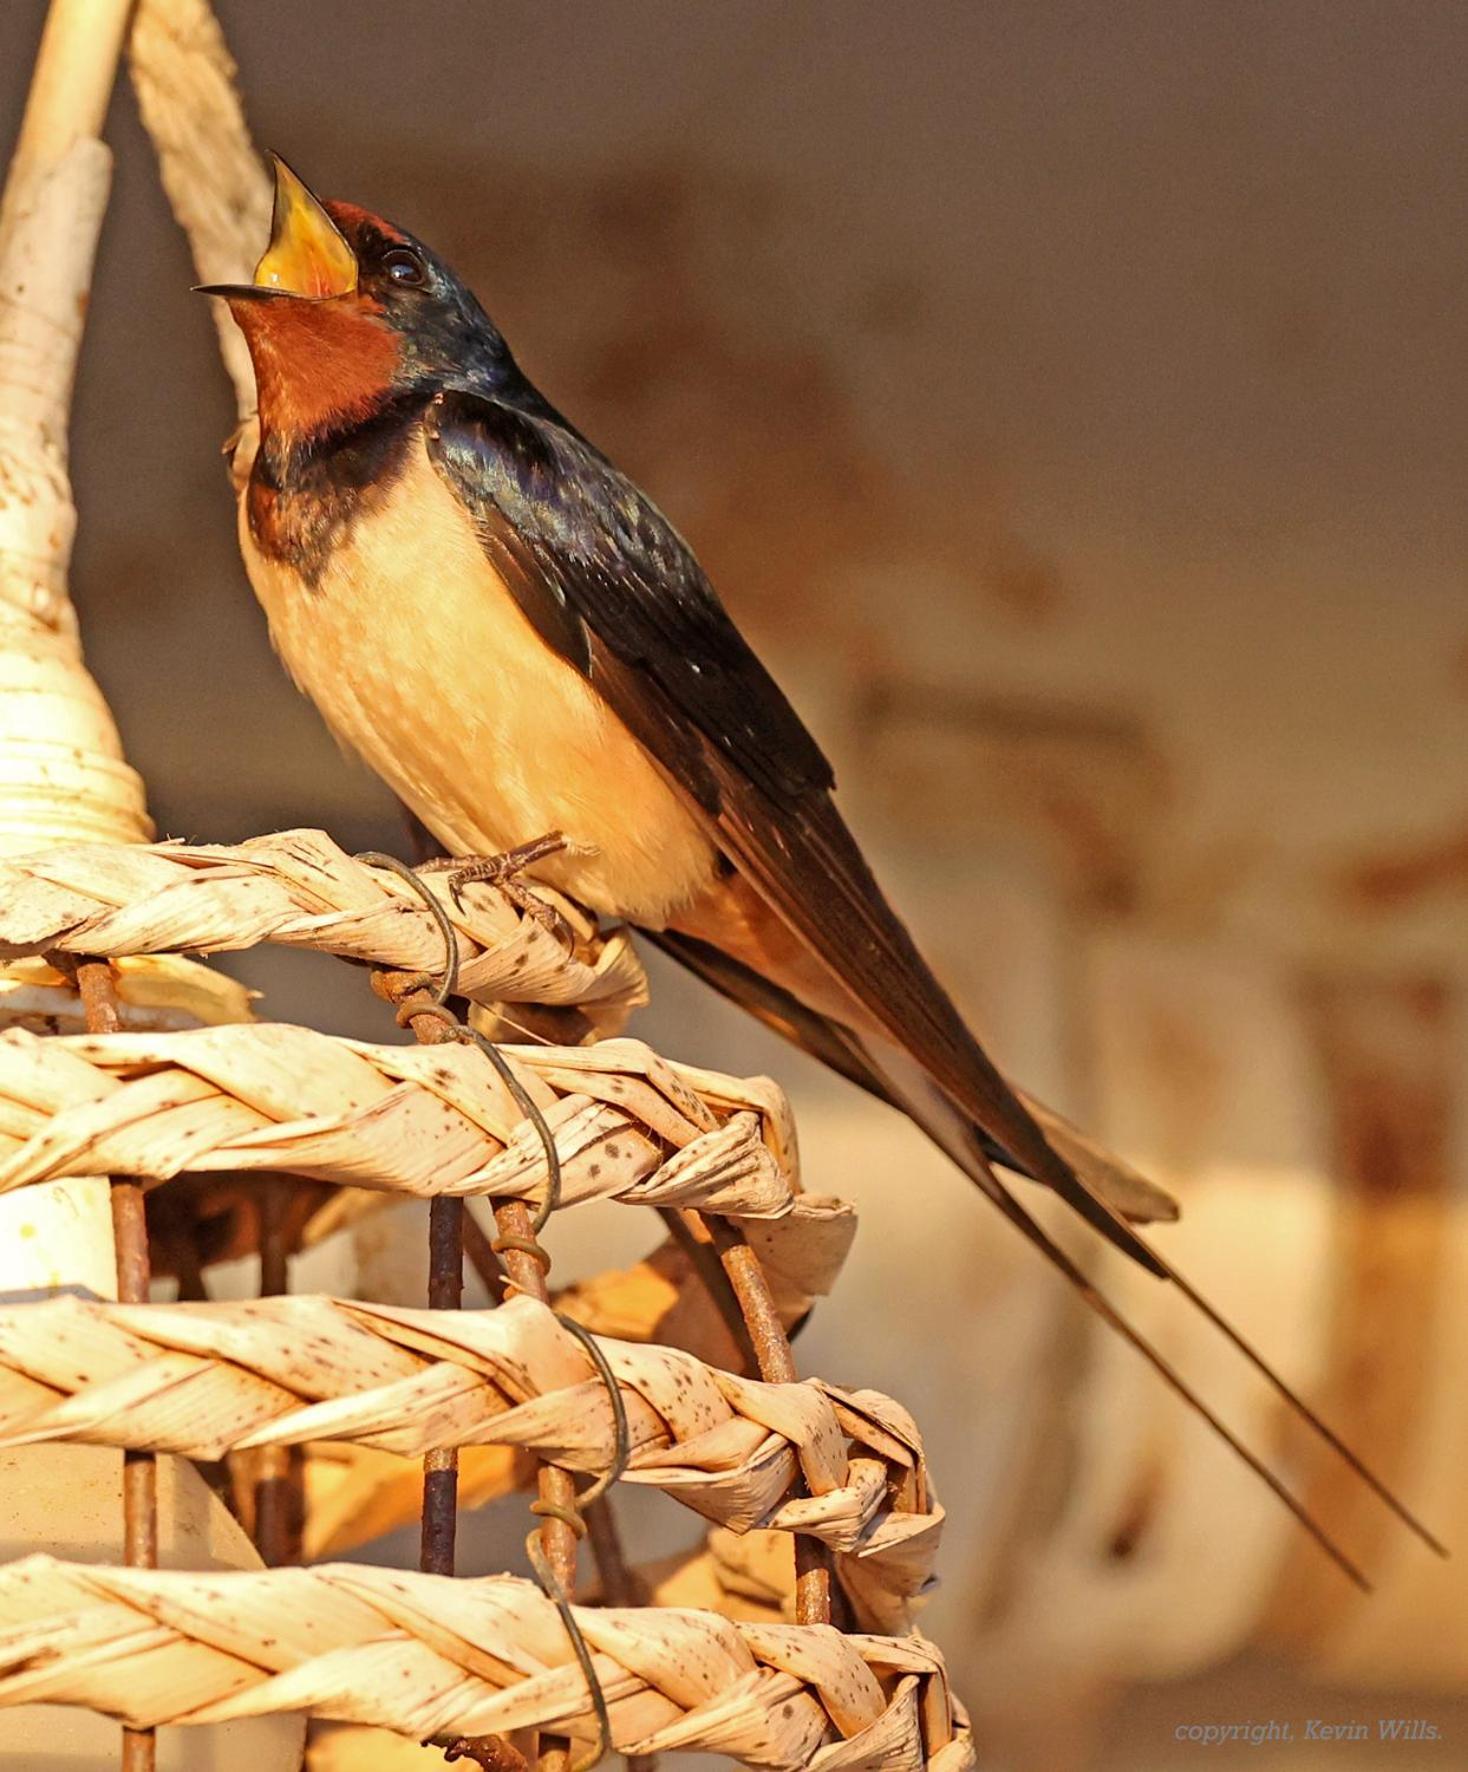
432	1657
206	1379
627	1124
356	1493
299	889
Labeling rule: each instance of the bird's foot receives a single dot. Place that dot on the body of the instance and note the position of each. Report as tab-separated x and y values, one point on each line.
504	871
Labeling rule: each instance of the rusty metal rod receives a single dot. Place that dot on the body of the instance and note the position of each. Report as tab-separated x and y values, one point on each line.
280	1471
813	1583
417	1009
557	1487
440	1524
619	1586
98	993
439	1520
689	1231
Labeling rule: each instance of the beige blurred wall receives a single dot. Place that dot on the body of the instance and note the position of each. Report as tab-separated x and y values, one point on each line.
1069	400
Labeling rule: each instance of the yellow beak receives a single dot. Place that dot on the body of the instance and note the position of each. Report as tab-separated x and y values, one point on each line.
307	254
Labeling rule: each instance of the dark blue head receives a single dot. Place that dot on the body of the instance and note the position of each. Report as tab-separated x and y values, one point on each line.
348	314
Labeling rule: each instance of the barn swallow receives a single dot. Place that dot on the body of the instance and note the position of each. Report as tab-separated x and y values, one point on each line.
514	637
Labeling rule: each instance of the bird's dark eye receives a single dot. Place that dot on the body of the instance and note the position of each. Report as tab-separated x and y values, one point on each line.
404	267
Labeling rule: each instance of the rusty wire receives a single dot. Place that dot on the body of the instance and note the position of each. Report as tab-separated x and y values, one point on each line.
816	1598
449	978
97	989
422	1004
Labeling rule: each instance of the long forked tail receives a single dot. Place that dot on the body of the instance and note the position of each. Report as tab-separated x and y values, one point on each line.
967	1146
1115	1193
1103	1307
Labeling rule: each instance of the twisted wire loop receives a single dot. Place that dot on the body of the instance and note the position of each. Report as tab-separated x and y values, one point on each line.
434	1657
299	889
424	1012
457	1030
574	1517
408	1012
444	988
448	982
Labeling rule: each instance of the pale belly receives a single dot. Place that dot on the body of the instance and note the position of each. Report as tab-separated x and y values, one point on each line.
420	661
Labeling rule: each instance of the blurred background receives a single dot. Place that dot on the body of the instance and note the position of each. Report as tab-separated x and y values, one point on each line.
1069	403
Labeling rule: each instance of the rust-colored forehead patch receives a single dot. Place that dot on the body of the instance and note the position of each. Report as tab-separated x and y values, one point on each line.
355	222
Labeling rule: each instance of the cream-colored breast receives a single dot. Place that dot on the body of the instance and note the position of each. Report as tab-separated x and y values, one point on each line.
419	659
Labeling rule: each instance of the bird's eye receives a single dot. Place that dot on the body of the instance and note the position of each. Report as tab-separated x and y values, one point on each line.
404	267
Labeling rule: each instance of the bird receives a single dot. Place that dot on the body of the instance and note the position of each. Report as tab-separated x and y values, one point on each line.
516	639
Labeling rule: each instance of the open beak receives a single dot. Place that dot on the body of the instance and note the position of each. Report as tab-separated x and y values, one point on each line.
307	256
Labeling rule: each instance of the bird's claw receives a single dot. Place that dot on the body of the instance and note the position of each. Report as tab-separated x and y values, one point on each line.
536	908
503	871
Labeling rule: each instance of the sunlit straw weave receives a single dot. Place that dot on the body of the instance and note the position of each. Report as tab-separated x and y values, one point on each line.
411	1120
204	1379
297	888
431	1656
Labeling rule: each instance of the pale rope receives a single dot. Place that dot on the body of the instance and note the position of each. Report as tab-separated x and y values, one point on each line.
434	1657
297	888
202	1380
220	191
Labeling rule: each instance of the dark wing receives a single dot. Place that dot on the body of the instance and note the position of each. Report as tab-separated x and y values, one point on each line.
1137	1199
607	580
590	559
